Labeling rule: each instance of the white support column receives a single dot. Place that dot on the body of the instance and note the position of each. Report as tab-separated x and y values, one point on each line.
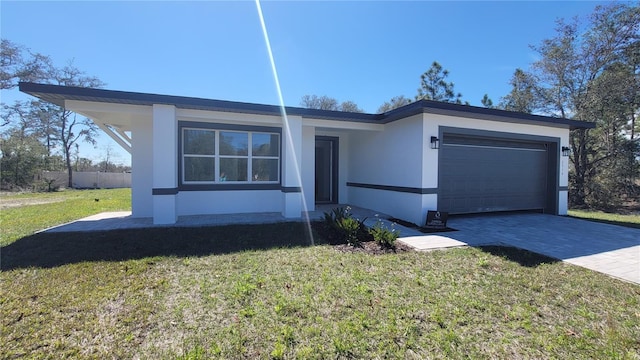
563	193
142	174
291	167
165	164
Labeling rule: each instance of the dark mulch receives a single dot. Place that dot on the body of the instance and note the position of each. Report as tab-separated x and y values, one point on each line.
367	245
372	248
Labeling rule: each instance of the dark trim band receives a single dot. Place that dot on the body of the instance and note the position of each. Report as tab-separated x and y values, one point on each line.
404	189
291	189
563	188
164	191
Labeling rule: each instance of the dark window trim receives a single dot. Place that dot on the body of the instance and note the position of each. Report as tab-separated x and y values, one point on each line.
227	186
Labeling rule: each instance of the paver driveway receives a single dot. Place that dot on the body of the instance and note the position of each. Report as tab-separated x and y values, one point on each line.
610	249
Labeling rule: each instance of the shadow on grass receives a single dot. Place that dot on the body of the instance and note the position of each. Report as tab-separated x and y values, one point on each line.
610	222
523	257
47	250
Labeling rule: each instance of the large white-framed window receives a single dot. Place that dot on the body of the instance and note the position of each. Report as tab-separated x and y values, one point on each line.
229	156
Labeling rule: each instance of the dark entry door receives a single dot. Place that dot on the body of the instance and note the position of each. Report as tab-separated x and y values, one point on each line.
326	169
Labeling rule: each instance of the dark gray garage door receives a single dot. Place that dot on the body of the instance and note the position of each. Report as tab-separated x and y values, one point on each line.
479	174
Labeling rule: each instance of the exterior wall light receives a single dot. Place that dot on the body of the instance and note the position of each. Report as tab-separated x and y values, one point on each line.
435	143
566	151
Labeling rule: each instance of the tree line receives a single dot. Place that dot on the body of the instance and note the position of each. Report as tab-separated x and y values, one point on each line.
588	71
36	135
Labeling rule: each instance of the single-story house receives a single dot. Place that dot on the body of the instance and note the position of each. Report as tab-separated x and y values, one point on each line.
193	156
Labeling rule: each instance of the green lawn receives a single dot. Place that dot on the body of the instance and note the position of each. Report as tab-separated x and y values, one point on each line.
632	221
43	210
262	291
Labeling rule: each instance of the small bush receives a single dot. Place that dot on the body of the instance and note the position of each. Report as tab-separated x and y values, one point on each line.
341	227
349	228
382	235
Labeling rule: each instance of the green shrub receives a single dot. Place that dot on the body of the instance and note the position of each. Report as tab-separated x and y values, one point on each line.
342	227
382	235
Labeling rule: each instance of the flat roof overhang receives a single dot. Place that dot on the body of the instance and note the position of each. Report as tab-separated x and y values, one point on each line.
73	97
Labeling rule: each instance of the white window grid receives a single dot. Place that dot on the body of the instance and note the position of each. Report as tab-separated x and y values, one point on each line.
217	156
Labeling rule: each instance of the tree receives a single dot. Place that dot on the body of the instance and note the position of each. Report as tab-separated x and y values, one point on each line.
433	86
57	127
394	103
107	165
22	156
328	103
486	101
590	74
83	164
522	97
14	67
349	106
71	129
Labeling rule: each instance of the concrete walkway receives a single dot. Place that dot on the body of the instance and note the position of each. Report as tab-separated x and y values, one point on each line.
610	249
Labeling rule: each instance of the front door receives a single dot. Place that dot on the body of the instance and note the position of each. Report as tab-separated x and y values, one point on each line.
326	170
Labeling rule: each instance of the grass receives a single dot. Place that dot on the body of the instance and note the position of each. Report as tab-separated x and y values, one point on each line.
262	292
627	220
196	293
43	210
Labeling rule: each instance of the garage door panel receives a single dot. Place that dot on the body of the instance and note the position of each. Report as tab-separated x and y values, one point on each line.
490	177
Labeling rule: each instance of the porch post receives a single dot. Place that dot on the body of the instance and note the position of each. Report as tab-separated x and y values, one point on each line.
291	167
165	164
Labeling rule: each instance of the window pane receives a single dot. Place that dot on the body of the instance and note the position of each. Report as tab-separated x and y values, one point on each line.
199	142
199	168
233	169
265	144
234	143
265	170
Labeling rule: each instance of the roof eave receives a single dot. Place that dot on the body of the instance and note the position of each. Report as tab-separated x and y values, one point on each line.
57	94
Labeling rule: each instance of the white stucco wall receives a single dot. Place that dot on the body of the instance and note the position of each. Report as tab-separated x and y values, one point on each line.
389	157
392	157
291	167
228	202
165	165
141	167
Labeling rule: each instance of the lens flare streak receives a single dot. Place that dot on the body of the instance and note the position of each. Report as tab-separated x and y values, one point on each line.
285	120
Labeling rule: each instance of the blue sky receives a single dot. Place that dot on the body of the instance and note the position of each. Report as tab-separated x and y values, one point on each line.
363	51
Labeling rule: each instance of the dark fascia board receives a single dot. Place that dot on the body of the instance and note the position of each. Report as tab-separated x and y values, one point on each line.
443	108
57	94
